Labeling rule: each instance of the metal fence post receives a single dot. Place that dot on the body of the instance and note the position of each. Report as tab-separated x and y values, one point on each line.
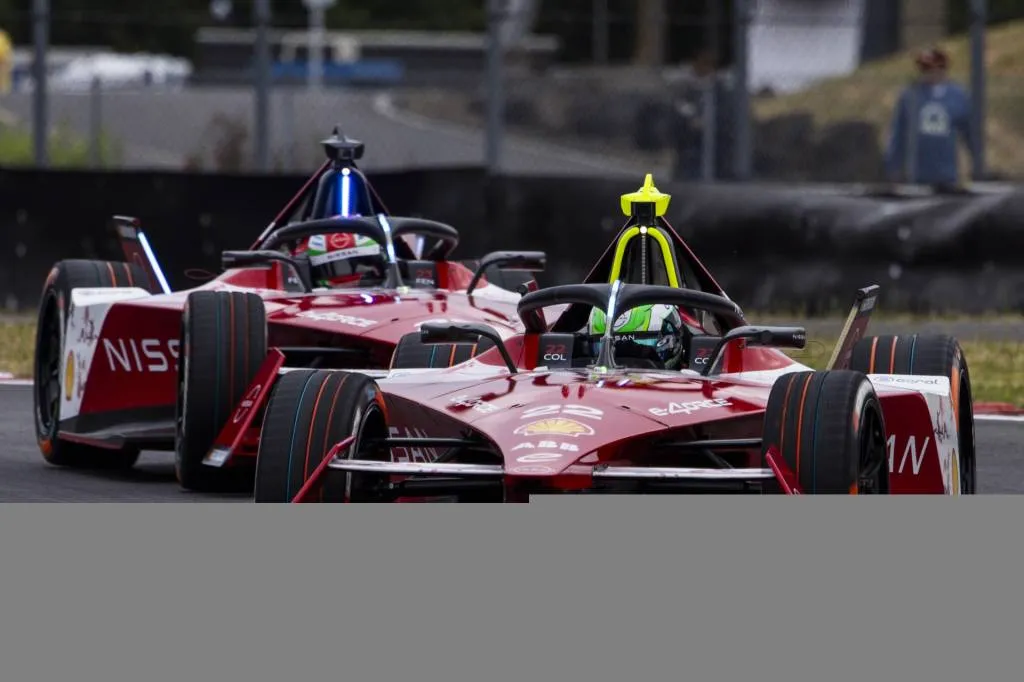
600	32
744	134
96	123
40	108
979	20
262	77
495	86
709	126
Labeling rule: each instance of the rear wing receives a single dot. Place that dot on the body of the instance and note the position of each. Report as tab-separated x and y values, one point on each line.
856	325
137	250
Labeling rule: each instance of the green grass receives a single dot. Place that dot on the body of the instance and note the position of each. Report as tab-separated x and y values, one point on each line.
65	149
997	367
17	344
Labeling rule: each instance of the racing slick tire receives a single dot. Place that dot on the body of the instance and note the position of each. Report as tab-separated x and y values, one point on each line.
48	365
829	429
308	413
929	355
412	353
223	344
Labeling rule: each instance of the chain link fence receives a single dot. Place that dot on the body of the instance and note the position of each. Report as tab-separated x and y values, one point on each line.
588	89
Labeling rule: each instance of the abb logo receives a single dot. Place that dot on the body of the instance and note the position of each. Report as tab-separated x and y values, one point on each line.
556	352
424	277
141	355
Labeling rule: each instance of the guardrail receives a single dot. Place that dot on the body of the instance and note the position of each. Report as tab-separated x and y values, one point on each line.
771	247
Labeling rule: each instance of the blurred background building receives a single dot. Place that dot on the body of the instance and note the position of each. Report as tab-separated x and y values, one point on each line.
789	90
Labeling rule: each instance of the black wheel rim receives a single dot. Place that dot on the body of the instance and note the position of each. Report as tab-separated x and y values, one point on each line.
873	477
48	368
366	487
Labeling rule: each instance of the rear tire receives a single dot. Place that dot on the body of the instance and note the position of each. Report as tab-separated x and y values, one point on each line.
929	355
50	364
223	344
829	429
309	412
411	353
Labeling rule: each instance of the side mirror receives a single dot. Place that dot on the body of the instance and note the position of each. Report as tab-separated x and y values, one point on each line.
242	259
527	261
772	337
432	334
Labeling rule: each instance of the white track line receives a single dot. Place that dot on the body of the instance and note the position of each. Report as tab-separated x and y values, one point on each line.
999	418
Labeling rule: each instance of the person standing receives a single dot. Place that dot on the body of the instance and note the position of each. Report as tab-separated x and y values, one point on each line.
929	117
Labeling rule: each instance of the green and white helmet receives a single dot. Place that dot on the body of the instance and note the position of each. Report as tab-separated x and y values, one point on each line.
340	258
657	326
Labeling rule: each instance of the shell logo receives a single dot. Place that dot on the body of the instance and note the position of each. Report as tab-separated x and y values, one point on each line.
69	376
557	426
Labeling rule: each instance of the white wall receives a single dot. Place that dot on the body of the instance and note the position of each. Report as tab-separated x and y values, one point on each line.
796	42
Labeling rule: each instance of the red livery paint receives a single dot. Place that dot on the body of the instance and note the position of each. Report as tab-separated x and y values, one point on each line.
126	353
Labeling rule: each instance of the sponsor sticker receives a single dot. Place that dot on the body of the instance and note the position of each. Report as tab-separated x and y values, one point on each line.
475	404
142	355
581	411
547	445
689	407
556	426
69	376
536	457
247	402
340	318
538	469
912	381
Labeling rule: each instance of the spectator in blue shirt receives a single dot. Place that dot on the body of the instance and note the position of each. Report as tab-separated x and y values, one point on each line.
929	116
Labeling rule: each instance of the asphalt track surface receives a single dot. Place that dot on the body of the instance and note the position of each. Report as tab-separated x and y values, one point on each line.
24	477
161	129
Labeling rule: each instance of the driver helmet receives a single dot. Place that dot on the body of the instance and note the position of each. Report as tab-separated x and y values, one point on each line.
341	258
659	327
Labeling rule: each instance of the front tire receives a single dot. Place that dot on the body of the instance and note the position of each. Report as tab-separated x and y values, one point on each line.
929	355
50	363
829	429
309	412
223	344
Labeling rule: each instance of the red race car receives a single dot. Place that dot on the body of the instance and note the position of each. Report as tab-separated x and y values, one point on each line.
649	380
124	364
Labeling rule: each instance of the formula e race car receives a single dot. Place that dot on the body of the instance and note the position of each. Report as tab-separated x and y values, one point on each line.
684	396
123	363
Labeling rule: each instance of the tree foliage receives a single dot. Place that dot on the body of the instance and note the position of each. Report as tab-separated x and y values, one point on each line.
170	25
